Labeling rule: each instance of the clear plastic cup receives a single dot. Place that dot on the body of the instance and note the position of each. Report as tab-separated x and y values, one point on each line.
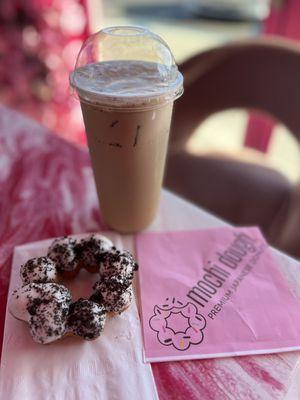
127	80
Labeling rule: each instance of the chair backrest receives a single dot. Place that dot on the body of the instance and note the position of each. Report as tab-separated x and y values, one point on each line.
261	74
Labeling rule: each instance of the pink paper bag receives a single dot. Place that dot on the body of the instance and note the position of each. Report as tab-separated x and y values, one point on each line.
213	293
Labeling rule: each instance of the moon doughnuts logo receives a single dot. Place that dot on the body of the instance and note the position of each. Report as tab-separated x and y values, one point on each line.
177	324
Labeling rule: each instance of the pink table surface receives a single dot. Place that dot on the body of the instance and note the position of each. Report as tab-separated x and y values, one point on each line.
47	189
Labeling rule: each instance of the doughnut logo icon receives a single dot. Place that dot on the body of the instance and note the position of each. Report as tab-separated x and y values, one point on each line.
177	324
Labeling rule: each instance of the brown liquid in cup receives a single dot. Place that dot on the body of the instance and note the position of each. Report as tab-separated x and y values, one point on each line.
128	152
127	140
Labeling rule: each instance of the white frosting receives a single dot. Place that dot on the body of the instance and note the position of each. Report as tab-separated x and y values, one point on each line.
105	243
98	243
63	252
120	303
38	270
86	319
18	302
91	249
118	263
45	307
21	297
113	297
49	323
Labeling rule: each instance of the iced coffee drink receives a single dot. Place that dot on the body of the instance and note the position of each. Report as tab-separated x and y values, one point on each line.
126	98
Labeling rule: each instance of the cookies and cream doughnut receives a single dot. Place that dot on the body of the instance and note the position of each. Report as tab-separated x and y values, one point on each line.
120	303
63	252
38	270
114	289
45	307
86	319
24	298
118	263
112	301
90	251
114	293
49	322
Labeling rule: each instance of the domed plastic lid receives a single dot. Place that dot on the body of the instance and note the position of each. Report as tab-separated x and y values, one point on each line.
127	67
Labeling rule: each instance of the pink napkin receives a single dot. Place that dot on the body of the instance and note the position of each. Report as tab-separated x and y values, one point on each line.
213	293
110	367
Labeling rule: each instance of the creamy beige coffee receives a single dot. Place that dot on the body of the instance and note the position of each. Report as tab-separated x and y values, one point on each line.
128	151
127	80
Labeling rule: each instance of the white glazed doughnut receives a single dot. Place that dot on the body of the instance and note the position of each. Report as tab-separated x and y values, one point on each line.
45	307
90	250
86	319
49	322
114	294
38	270
48	307
118	263
63	252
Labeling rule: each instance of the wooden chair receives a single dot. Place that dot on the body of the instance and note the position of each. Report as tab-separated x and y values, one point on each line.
260	74
283	21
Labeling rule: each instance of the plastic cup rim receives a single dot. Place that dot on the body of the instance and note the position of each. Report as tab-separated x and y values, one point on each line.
137	30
